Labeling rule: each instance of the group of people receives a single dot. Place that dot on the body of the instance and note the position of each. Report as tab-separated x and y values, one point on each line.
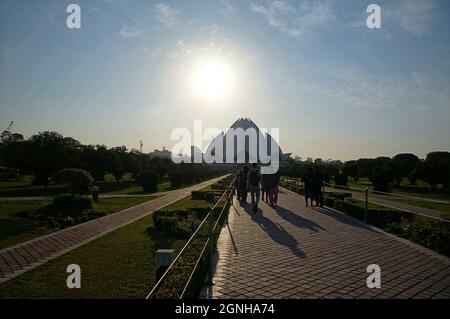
313	186
250	179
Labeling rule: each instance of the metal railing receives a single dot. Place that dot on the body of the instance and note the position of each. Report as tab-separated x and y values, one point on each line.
207	246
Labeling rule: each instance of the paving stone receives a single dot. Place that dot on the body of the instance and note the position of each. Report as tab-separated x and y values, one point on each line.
297	252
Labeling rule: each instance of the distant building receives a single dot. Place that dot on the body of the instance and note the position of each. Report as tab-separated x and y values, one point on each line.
161	154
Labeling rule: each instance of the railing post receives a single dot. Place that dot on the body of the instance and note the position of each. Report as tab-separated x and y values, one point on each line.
210	237
366	208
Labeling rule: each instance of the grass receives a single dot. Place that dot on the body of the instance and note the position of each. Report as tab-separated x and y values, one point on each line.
123	266
22	187
370	205
422	189
445	208
15	229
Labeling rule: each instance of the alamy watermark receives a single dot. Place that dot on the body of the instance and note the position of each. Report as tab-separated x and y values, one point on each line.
232	146
73	21
74	279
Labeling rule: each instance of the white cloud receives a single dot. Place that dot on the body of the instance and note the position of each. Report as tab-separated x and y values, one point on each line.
129	32
412	93
292	20
227	7
166	14
413	16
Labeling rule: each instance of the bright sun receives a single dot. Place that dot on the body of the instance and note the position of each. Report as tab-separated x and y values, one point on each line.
212	79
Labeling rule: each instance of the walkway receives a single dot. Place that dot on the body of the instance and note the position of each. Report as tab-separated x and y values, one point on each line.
298	252
26	256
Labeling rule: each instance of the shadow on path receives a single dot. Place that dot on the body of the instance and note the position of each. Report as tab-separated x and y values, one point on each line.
275	231
298	220
343	218
233	242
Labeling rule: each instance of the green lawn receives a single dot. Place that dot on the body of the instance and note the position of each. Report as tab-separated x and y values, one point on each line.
422	189
14	228
117	265
362	204
445	208
22	187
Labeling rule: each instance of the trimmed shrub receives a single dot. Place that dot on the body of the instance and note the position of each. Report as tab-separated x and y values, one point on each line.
78	180
148	180
188	178
425	231
176	179
380	180
339	196
340	179
68	202
181	224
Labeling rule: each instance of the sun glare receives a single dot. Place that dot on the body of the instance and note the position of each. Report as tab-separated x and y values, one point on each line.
212	79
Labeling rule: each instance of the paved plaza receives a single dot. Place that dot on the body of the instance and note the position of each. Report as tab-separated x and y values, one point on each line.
297	252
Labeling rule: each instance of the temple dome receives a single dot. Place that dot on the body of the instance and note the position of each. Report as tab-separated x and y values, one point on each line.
248	151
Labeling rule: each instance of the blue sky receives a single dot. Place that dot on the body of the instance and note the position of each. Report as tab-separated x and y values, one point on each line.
335	88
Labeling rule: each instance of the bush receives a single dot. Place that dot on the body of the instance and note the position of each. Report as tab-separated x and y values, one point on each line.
176	179
380	180
9	176
79	180
68	202
181	224
425	231
339	196
188	178
340	179
148	180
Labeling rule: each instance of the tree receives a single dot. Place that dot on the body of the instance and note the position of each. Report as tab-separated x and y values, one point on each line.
176	179
403	165
382	173
49	156
380	179
435	169
365	167
114	164
340	179
350	168
79	180
148	180
95	159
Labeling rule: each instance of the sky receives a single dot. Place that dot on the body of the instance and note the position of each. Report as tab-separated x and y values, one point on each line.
334	88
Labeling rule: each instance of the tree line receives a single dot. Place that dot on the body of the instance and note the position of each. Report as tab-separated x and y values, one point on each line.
381	171
46	153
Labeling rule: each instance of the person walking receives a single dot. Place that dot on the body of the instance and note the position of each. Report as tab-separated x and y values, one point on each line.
276	189
318	185
253	185
308	184
237	184
265	186
243	187
262	186
273	189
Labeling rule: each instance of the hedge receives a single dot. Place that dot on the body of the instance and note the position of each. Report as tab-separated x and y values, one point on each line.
183	223
425	231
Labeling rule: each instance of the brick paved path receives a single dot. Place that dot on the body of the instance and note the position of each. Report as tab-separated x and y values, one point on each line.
17	259
299	252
